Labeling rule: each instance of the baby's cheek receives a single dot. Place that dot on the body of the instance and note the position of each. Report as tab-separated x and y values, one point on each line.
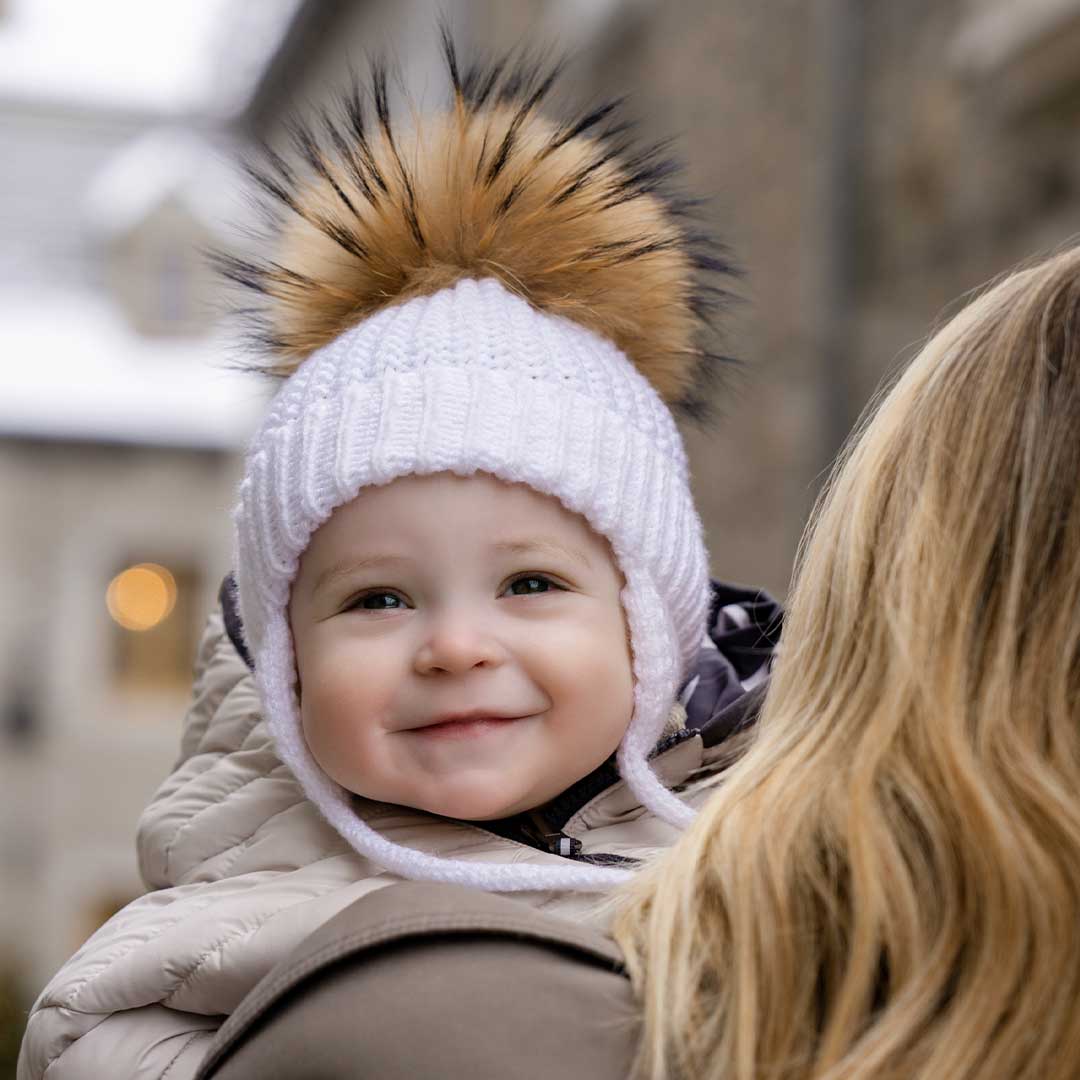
597	667
349	727
318	726
327	715
612	670
601	696
615	704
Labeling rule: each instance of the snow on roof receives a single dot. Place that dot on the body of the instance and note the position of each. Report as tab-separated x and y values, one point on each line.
72	369
199	57
161	163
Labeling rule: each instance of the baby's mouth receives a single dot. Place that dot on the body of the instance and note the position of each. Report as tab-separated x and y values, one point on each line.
464	725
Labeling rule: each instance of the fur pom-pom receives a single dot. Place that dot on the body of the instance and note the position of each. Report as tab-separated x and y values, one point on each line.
571	216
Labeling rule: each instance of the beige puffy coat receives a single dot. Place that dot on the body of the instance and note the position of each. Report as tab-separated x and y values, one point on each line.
241	869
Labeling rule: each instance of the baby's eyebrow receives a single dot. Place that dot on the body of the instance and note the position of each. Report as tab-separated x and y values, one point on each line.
546	544
351	566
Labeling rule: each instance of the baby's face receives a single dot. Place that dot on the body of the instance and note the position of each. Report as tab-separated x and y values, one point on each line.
436	596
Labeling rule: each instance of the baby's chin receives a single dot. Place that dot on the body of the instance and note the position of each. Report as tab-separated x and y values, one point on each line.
483	802
478	806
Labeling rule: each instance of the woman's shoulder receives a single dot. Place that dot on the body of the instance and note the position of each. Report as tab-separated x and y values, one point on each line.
422	979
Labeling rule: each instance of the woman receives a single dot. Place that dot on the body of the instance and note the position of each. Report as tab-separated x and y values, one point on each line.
887	884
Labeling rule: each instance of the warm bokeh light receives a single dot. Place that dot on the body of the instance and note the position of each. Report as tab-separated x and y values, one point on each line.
142	596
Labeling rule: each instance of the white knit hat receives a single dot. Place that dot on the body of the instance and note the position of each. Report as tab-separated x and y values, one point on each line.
469	377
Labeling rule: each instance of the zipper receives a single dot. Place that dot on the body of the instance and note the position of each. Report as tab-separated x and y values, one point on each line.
569	847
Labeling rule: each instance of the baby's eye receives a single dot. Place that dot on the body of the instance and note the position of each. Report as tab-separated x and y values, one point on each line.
529	584
374	601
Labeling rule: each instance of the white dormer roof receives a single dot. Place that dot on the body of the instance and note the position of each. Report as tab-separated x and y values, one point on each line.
162	164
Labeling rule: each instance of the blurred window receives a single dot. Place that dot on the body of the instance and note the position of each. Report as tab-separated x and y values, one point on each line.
154	624
174	292
158	277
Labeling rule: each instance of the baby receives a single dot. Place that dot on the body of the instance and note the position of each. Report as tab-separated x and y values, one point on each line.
469	568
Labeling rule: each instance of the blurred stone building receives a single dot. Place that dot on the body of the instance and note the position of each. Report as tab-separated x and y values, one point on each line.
120	433
868	163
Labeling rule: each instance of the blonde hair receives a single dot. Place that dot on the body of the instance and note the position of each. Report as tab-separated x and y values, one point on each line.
887	884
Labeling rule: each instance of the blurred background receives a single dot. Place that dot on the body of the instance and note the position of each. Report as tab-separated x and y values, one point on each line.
868	162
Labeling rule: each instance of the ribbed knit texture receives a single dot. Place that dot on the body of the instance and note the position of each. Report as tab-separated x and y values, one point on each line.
474	379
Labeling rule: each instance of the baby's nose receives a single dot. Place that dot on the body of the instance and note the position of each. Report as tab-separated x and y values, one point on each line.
458	645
